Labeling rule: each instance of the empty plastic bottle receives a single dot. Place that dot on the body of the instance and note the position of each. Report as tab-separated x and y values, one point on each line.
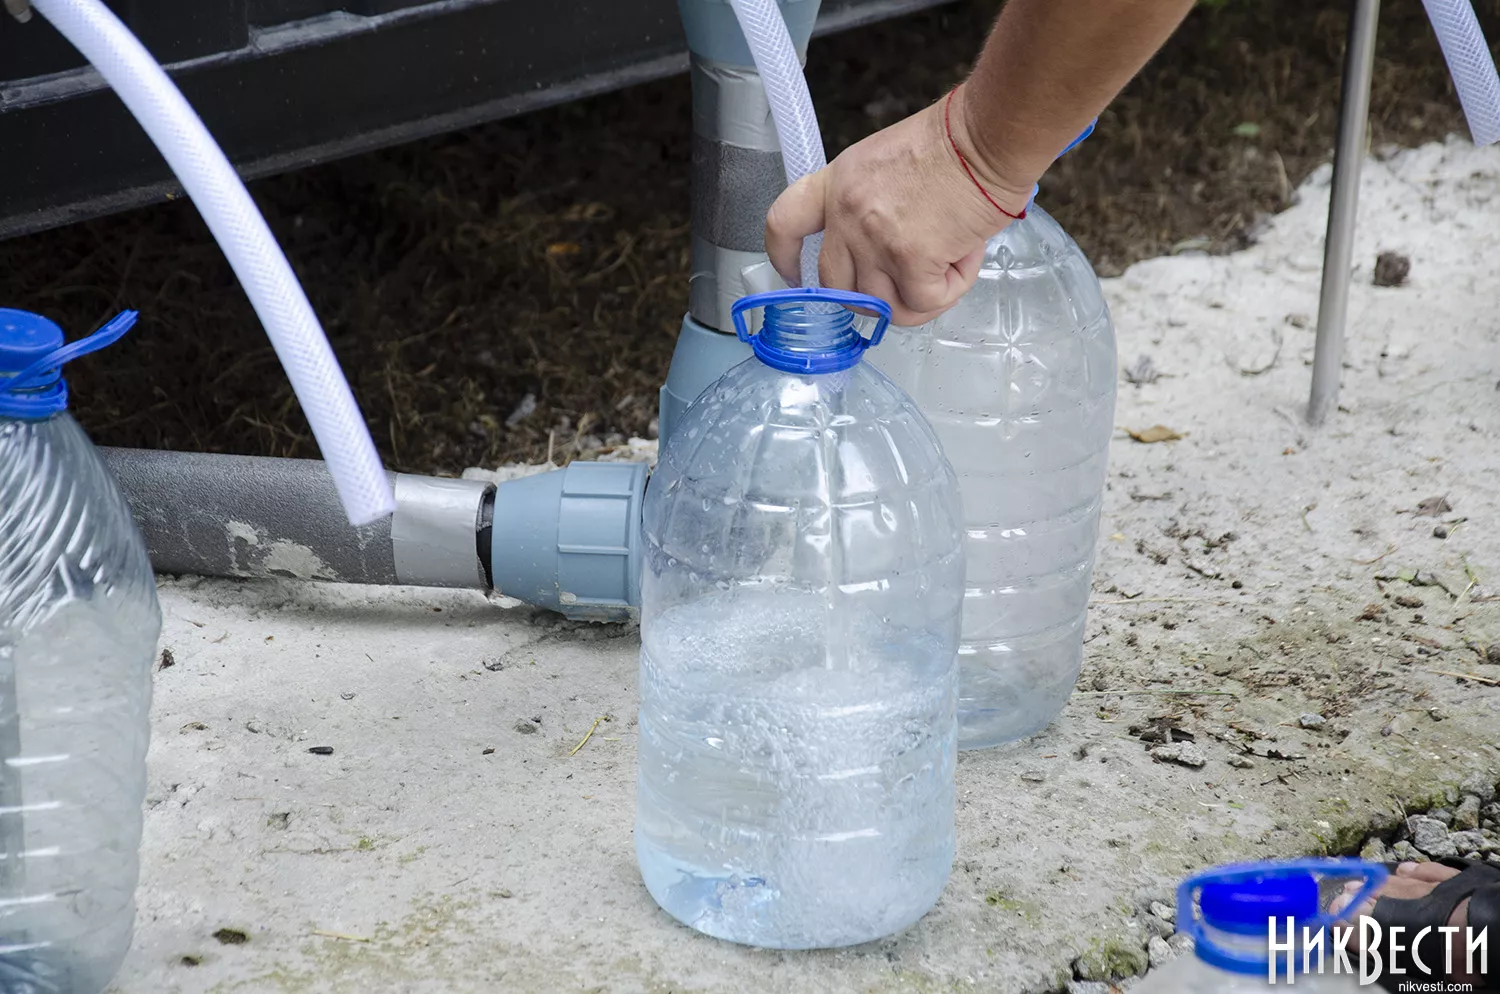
1018	379
1229	913
78	628
800	618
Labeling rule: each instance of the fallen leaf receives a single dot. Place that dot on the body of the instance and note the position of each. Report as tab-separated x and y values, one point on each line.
558	249
1433	506
1156	433
1247	129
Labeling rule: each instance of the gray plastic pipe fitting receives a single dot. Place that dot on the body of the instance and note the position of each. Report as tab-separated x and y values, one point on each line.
568	540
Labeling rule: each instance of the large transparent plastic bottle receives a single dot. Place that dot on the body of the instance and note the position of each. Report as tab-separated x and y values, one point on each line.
78	629
1018	379
1229	913
800	618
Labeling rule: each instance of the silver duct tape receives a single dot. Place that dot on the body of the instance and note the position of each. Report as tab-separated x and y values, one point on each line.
733	188
434	532
716	283
730	106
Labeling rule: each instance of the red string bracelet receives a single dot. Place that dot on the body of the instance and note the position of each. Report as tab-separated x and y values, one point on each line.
948	125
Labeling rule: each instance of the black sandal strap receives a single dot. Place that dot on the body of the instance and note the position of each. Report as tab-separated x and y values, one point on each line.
1433	911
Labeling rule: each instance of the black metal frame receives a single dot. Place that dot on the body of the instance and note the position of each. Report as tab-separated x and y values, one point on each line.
286	83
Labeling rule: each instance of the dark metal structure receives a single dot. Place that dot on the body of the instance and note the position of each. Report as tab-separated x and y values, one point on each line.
288	83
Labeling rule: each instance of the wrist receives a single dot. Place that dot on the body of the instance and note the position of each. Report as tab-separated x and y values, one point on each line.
997	161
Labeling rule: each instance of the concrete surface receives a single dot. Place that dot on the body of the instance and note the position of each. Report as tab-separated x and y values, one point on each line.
457	840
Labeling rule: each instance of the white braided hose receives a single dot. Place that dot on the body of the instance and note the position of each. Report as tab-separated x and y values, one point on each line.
241	232
1471	63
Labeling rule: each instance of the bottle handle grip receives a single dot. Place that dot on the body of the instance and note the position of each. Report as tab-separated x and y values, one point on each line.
31	376
1188	922
812	295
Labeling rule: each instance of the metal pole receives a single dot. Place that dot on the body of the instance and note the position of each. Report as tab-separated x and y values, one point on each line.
1343	208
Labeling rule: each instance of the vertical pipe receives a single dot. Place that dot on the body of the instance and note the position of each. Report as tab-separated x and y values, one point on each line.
1343	208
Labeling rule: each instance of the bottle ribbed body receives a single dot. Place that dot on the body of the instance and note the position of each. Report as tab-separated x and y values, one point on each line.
1018	380
79	624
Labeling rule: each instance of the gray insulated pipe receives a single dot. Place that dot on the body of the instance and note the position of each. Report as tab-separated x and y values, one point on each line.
567	540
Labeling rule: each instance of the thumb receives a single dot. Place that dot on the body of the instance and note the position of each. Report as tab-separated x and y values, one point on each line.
797	213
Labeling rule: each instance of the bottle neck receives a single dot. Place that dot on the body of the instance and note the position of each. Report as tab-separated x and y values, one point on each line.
797	337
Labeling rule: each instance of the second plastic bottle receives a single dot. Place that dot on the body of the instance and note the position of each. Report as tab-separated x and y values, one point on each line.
800	618
1018	379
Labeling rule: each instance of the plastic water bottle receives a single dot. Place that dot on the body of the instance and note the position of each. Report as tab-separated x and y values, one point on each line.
1229	913
1018	379
800	618
78	628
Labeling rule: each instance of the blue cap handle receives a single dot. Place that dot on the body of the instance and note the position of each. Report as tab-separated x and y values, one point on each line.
1373	874
34	375
812	295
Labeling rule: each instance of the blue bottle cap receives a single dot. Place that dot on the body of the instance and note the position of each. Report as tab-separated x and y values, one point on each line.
1244	907
25	338
32	355
810	331
1238	903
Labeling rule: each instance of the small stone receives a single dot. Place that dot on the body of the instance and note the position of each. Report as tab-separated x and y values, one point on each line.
1111	960
1481	786
321	750
1441	814
494	665
1033	776
1312	721
1426	830
1158	953
1442	850
503	892
1467	842
1088	987
1407	600
1155	927
347	695
525	728
1165	912
1375	851
1492	654
1441	531
255	726
487	752
1405	852
1182	753
1466	817
1391	269
1490	812
1181	943
1242	762
1437	714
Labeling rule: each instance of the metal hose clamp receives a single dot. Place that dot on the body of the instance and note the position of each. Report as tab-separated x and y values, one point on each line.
19	9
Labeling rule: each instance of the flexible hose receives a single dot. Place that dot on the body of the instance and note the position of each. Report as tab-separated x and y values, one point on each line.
1471	63
216	189
791	104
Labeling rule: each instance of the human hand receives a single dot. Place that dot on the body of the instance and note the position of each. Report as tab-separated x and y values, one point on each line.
902	219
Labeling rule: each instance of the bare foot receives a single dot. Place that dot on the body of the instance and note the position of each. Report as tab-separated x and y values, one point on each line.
1413	881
